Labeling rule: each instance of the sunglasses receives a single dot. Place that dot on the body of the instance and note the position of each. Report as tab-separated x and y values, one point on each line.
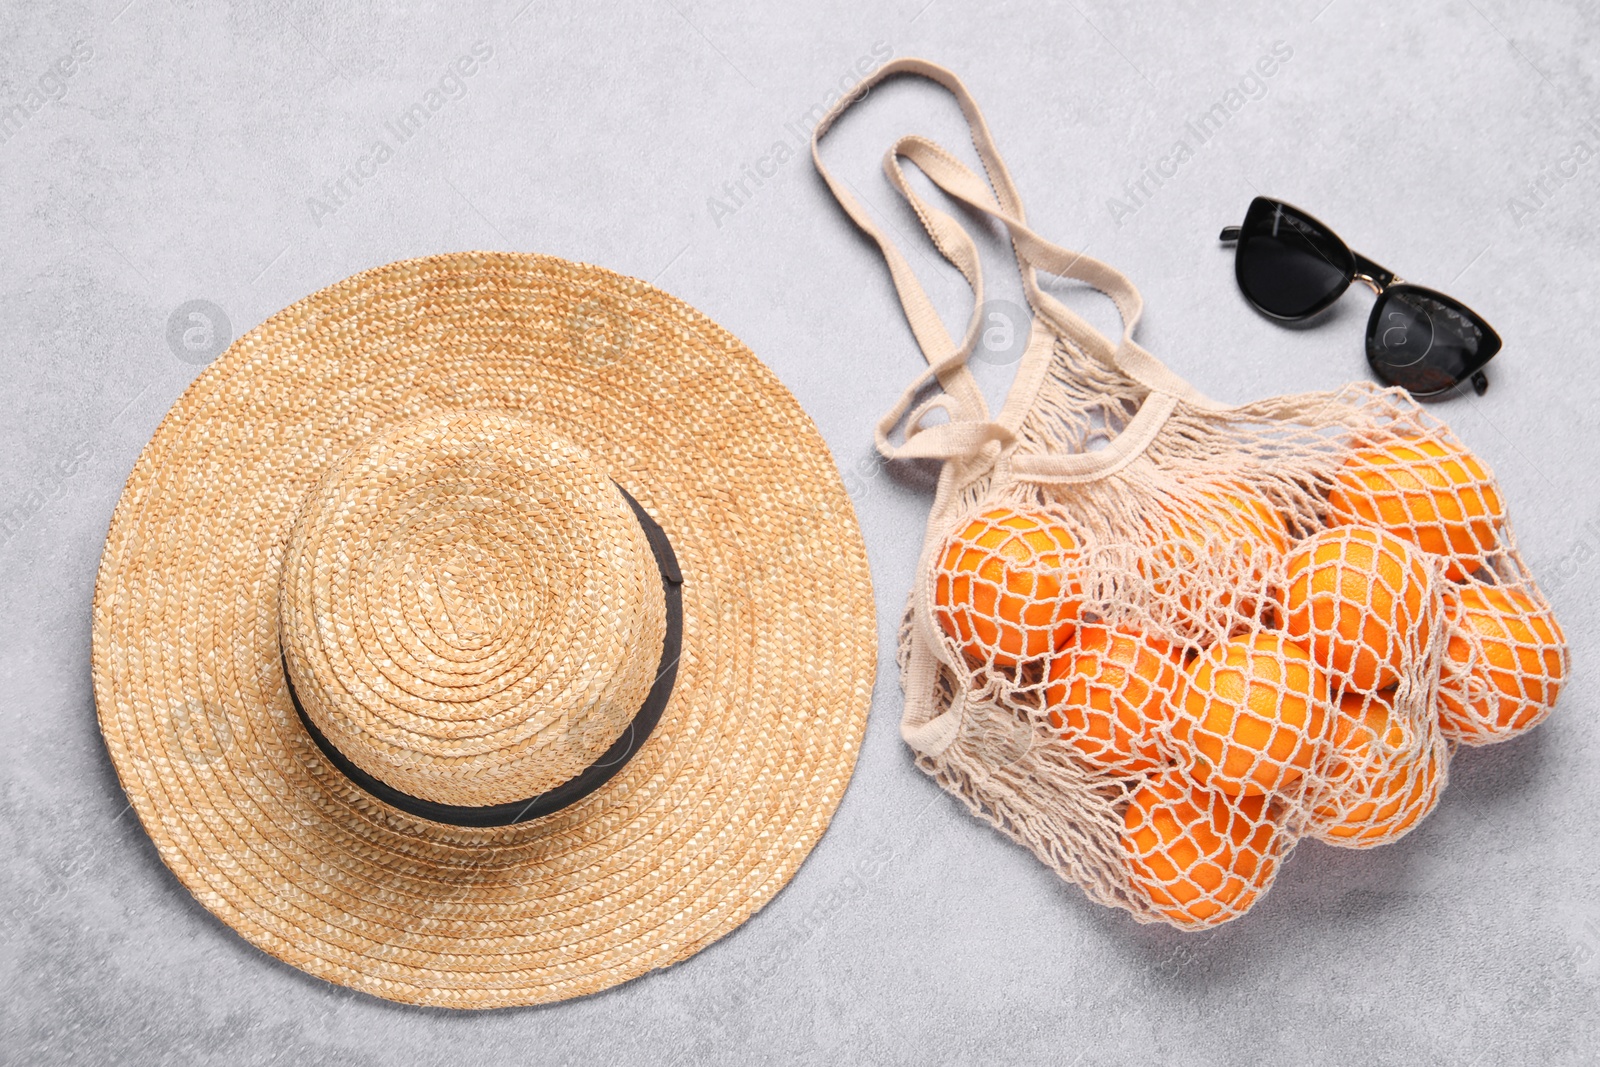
1290	267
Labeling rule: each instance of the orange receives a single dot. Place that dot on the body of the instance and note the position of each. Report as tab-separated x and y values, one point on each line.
1435	494
1210	530
1108	693
1200	856
1251	712
1358	598
1506	660
1006	589
1387	784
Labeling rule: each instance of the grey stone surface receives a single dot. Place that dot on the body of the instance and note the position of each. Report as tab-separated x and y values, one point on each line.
178	161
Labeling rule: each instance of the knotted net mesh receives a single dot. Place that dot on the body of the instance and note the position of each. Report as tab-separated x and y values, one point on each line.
1274	622
1159	640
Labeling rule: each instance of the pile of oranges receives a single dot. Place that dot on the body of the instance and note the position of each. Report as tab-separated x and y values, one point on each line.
1273	707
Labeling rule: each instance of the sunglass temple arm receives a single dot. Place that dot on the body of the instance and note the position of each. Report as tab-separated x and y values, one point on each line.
1229	234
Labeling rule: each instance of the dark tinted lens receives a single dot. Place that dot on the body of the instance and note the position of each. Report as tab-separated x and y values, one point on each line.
1426	342
1288	263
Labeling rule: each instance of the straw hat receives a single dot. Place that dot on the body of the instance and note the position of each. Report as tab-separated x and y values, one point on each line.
484	630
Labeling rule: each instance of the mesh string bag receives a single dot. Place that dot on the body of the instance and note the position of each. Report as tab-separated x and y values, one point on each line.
1157	639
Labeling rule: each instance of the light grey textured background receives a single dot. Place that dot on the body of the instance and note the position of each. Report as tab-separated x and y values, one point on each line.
178	162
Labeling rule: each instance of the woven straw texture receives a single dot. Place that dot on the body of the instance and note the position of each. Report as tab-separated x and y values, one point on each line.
469	609
1157	639
403	430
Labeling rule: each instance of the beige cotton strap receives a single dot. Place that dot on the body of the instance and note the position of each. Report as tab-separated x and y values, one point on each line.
970	441
948	360
1033	251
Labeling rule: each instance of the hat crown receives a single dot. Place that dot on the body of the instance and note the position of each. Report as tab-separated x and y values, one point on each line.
470	611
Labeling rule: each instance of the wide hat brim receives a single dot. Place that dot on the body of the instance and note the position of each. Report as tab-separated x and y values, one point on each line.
697	832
